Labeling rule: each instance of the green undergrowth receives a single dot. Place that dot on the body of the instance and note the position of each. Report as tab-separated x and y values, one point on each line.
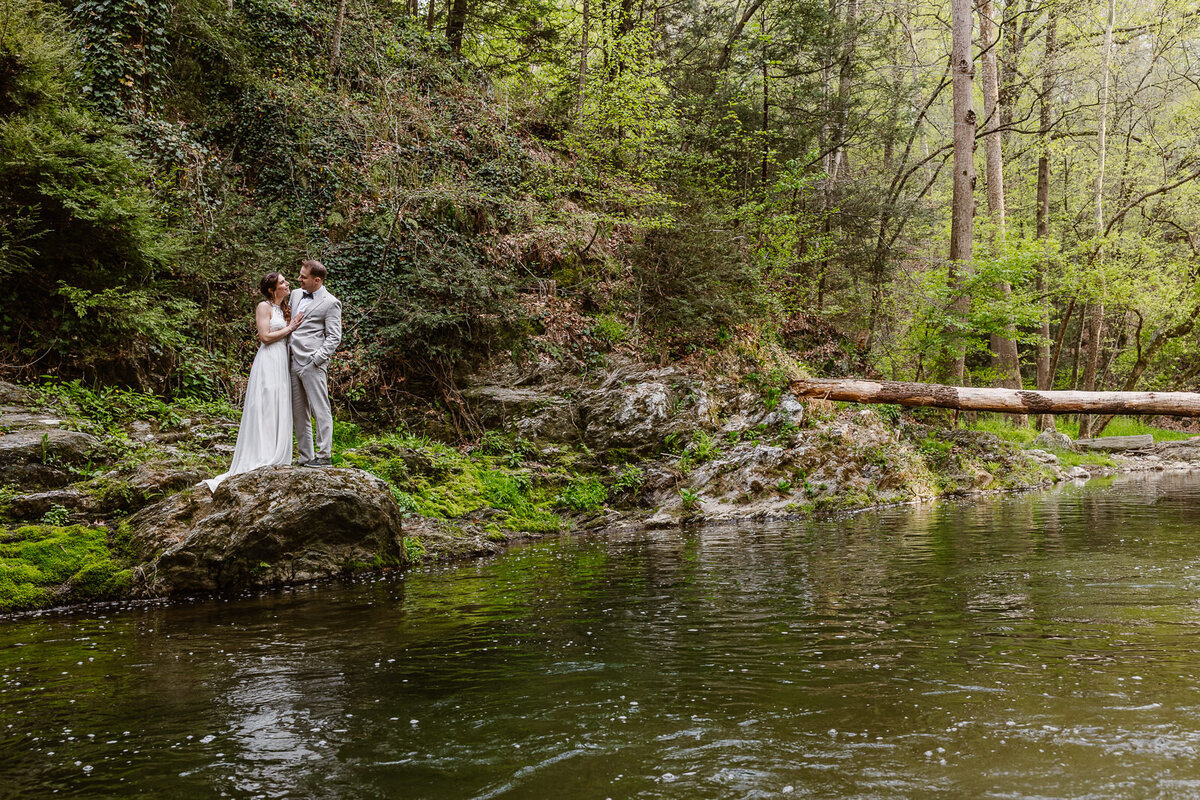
503	482
1120	426
1069	458
110	413
111	407
45	565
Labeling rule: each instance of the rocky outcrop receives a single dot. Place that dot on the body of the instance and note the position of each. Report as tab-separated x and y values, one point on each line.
42	457
271	526
855	457
1185	450
532	413
1051	439
630	408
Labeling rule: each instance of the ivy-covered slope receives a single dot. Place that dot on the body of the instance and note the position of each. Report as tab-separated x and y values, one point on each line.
158	159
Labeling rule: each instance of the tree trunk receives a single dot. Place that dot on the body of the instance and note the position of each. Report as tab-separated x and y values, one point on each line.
1004	346
583	56
735	32
766	97
1058	342
1096	317
845	86
1010	401
456	22
1045	378
962	68
335	47
431	15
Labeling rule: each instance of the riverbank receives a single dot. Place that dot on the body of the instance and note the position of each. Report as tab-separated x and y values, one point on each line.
100	497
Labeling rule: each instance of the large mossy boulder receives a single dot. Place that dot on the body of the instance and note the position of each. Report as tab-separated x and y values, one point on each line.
271	526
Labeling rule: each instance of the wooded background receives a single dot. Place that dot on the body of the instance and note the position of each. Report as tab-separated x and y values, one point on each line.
994	194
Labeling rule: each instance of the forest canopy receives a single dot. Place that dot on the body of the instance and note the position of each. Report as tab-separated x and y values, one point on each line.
686	176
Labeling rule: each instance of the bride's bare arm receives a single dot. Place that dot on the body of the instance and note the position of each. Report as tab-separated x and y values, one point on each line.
262	317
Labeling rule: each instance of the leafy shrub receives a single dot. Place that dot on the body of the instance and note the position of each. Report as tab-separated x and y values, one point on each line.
414	548
57	515
630	479
689	498
84	253
608	330
703	448
582	494
693	281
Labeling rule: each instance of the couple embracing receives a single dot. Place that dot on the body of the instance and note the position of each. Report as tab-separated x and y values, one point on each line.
288	388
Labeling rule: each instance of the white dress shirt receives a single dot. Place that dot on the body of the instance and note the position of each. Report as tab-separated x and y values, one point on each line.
305	302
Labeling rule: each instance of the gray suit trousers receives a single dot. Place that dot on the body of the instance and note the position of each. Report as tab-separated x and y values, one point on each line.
310	400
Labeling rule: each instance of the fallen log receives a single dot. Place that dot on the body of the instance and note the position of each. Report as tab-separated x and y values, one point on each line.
1115	444
1008	401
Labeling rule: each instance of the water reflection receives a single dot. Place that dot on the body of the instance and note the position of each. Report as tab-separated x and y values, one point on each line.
1036	646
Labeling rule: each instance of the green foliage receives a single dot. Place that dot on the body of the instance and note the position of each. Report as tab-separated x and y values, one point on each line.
511	450
346	434
689	498
888	412
936	326
693	281
790	249
1001	426
414	549
109	407
582	494
703	448
45	565
608	330
124	50
935	449
626	125
57	515
770	385
84	253
630	479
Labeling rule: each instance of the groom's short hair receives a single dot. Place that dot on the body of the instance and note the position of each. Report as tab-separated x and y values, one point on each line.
315	268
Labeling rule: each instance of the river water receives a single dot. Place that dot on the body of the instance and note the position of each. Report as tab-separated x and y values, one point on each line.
1038	646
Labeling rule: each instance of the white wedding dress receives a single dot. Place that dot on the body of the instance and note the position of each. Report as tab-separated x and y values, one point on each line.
265	435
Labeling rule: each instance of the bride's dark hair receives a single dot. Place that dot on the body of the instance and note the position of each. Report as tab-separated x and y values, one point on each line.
267	287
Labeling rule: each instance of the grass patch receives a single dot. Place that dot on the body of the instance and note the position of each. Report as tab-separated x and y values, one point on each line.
1120	426
44	565
1124	426
1069	458
999	427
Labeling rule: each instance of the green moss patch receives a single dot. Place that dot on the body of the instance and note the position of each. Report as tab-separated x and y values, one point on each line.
44	565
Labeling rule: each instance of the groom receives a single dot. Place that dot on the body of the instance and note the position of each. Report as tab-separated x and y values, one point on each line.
311	346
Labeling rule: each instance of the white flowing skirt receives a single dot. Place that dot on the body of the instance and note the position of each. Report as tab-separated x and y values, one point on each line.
265	435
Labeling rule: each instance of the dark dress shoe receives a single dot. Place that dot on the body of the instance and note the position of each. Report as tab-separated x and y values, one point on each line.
319	462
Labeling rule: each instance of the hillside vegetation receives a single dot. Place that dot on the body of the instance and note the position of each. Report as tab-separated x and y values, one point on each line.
543	180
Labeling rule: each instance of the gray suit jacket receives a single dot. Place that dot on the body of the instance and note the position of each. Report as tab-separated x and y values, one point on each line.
320	332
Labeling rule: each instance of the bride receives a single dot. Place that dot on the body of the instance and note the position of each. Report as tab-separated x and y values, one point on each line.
265	435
